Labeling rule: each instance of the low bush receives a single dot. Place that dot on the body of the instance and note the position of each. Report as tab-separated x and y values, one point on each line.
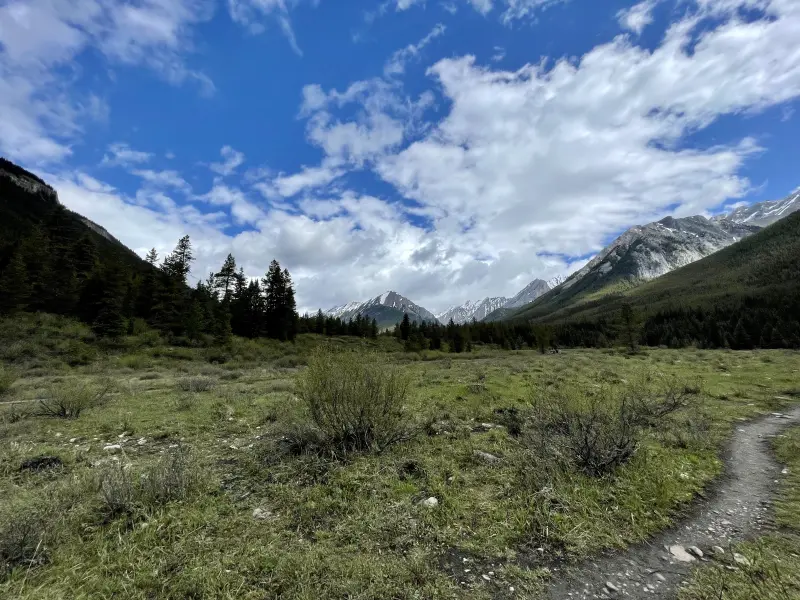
356	401
197	384
599	431
7	379
24	534
123	490
69	399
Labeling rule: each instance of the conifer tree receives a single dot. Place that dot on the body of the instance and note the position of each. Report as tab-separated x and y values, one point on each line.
225	279
405	327
110	321
14	288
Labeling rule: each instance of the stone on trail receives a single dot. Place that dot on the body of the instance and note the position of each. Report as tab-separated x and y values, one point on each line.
694	550
718	550
112	448
611	587
429	502
680	554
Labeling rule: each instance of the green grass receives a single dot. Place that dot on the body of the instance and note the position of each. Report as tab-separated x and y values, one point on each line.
350	527
774	573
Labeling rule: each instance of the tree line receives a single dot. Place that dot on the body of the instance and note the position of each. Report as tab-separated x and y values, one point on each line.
58	268
771	320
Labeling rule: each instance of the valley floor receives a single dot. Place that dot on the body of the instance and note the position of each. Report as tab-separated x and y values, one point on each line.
170	487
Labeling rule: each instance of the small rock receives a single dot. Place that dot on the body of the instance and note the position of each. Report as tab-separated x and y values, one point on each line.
73	440
785	471
429	502
694	550
718	550
726	523
142	441
680	554
486	577
112	448
660	577
486	457
124	434
262	514
741	559
611	587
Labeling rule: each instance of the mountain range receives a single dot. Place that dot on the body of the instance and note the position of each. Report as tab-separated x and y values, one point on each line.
646	252
482	308
640	254
389	308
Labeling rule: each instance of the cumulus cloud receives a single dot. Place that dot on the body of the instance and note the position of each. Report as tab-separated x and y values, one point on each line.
231	160
638	16
42	111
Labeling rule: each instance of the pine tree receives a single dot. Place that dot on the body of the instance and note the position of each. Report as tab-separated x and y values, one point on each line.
14	288
225	280
84	258
405	327
110	322
179	263
273	298
147	290
289	307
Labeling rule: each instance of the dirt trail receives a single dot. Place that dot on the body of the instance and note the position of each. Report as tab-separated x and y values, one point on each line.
737	508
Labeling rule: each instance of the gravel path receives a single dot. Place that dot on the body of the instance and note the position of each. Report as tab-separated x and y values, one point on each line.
737	509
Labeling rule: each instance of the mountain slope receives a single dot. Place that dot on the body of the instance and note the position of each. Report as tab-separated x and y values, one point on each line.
387	309
762	271
643	253
27	202
766	213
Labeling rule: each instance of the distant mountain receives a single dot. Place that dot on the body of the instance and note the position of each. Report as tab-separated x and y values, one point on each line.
471	310
754	279
765	213
493	309
646	252
387	309
528	294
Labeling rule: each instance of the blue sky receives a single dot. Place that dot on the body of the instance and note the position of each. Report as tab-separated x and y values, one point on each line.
449	150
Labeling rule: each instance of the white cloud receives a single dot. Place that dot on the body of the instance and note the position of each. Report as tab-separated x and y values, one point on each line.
250	13
43	113
231	160
308	178
163	179
396	65
121	154
638	16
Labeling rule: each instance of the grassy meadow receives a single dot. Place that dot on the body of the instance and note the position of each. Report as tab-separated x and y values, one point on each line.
139	470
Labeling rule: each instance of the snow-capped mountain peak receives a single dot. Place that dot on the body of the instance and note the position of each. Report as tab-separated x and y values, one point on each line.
471	310
387	309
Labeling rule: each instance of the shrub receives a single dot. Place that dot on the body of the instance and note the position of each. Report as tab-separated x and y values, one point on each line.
599	431
7	379
123	491
356	401
68	400
197	384
24	533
